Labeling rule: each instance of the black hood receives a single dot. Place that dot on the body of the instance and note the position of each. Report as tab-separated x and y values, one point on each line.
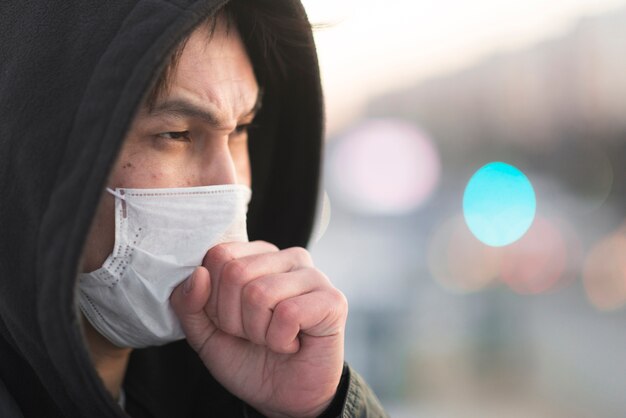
72	75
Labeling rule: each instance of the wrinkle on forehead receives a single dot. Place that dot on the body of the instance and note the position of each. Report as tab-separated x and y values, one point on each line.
218	72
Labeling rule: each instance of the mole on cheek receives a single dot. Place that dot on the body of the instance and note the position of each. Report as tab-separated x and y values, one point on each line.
127	165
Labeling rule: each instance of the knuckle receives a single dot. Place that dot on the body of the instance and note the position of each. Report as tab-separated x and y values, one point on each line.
234	272
320	279
340	298
301	254
339	302
287	312
320	276
256	294
219	254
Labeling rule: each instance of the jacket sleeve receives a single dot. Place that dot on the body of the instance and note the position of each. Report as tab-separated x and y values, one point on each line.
354	399
360	401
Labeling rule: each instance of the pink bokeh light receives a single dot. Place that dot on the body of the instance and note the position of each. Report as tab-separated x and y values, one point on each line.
385	166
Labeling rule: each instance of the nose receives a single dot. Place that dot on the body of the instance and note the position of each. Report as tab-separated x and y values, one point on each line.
217	165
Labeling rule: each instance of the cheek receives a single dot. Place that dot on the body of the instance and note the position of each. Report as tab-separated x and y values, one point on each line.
127	167
139	167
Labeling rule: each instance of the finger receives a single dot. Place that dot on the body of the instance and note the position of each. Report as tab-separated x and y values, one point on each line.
188	301
219	255
317	314
239	273
260	297
226	251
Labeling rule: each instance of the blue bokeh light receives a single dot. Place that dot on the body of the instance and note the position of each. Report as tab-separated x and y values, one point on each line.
499	204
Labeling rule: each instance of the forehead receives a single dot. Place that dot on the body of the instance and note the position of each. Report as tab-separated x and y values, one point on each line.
214	68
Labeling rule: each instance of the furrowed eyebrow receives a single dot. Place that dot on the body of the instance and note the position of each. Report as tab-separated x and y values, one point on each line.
184	108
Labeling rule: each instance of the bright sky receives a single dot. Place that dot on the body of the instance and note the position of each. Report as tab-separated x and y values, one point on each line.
372	46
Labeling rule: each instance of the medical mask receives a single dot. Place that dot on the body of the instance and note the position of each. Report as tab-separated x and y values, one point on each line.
161	235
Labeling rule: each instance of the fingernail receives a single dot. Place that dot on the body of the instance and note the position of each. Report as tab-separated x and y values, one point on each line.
188	286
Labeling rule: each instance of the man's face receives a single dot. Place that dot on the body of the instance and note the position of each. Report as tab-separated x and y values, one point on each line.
194	135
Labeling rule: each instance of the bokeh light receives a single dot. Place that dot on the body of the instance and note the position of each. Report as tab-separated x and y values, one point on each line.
537	262
604	272
384	166
458	261
499	204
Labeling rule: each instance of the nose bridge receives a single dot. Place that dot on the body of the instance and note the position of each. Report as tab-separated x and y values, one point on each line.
218	165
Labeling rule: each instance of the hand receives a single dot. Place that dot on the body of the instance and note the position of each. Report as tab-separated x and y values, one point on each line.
267	325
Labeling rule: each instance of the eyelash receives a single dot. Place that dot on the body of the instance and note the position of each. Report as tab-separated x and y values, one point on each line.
244	128
175	136
180	135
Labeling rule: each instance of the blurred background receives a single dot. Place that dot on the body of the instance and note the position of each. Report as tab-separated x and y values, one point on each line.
420	95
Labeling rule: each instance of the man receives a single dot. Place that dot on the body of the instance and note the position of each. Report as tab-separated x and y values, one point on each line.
147	298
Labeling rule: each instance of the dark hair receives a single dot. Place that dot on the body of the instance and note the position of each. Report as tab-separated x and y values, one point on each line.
266	32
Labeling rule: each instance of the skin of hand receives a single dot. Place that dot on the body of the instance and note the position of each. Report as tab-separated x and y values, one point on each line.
267	324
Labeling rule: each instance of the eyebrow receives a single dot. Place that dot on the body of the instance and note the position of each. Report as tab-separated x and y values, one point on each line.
184	108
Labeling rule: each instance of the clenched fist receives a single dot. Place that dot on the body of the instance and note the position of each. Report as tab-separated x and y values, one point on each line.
268	326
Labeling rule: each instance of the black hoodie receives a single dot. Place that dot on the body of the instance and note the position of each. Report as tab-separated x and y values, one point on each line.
72	74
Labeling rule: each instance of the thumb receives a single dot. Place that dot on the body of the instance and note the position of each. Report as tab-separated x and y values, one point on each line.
188	300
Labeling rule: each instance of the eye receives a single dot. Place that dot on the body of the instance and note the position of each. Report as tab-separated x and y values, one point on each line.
243	128
176	136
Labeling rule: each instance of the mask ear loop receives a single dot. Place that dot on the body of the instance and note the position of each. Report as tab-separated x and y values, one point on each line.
117	194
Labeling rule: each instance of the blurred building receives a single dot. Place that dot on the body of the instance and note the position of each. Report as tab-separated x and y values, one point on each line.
562	88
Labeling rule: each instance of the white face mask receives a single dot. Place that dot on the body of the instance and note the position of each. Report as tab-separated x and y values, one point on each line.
161	235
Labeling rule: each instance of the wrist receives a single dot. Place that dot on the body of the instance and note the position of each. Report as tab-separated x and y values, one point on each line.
331	409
